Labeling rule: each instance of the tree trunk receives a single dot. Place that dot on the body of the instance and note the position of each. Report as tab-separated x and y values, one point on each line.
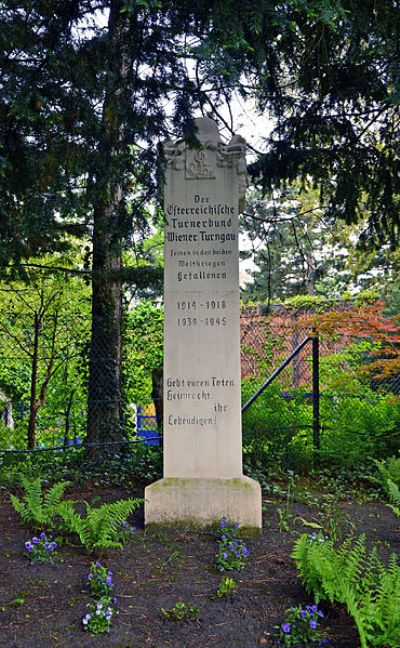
32	402
104	403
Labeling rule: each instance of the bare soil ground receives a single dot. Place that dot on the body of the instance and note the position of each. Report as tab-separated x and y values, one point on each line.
42	605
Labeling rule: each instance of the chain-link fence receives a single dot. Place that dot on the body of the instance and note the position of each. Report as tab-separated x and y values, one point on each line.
56	382
266	340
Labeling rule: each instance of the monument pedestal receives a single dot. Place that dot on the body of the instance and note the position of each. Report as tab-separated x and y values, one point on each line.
203	501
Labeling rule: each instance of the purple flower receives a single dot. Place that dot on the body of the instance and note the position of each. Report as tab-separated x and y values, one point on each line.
43	536
28	546
237	554
286	627
35	540
98	563
303	614
223	537
313	625
115	600
225	555
236	526
109	581
124	523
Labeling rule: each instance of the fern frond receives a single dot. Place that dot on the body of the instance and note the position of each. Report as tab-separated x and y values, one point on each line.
369	589
73	522
53	497
394	491
99	528
21	508
106	520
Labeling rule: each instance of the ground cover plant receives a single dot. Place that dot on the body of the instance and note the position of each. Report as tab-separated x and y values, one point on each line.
301	627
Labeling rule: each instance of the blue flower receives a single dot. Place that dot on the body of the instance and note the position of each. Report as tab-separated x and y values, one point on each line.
28	546
313	625
223	537
35	540
225	555
286	627
237	554
303	614
43	536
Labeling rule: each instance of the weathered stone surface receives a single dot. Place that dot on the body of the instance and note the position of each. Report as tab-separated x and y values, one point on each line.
202	416
203	501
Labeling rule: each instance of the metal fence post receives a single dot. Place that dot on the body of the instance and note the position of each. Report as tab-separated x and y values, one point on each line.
316	393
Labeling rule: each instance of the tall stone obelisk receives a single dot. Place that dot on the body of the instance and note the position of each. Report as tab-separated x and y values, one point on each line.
203	478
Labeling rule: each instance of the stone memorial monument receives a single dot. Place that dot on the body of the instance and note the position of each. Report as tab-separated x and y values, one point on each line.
203	478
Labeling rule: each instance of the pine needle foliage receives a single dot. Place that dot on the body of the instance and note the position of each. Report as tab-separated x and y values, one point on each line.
359	580
100	527
37	507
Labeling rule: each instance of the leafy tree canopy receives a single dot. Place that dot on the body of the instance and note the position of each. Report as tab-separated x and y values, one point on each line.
328	72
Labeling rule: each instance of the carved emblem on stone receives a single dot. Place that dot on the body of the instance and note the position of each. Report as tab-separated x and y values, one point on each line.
199	165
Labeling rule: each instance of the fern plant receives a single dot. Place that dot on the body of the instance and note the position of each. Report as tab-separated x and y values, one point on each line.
37	507
349	575
100	527
394	494
389	469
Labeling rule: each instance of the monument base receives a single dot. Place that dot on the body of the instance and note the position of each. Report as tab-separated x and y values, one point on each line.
203	501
